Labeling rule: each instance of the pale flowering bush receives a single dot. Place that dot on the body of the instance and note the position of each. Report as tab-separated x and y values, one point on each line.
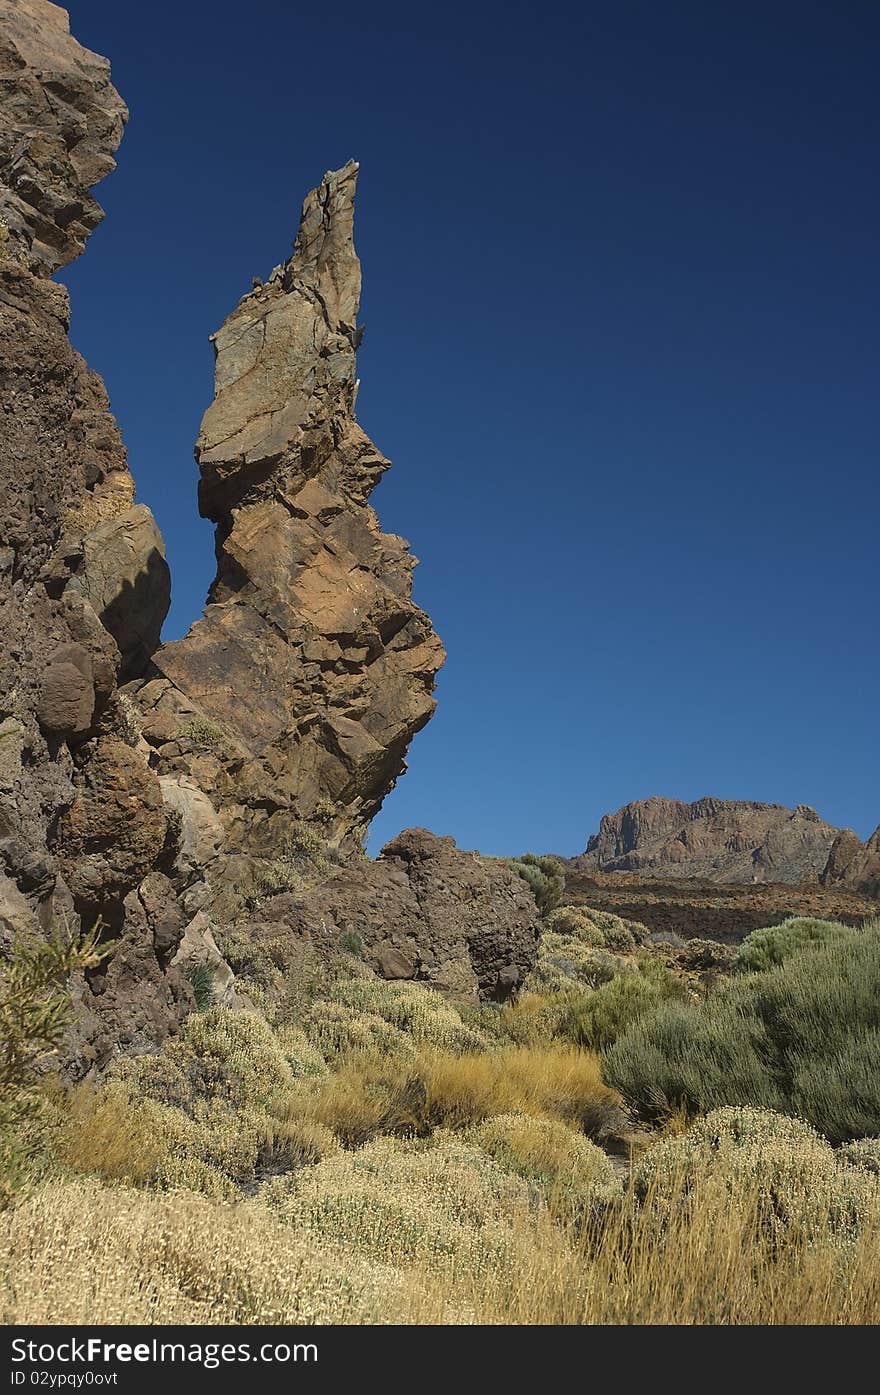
442	1202
77	1252
421	1013
863	1152
804	1189
335	1029
575	1172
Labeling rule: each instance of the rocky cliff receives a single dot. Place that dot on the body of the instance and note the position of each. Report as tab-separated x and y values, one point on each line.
82	568
722	840
312	667
220	785
853	865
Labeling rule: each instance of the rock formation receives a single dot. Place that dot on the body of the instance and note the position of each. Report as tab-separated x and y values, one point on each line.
227	786
81	814
312	668
721	840
426	910
853	865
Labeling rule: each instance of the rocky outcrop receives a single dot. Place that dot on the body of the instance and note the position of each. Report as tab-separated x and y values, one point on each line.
81	817
723	840
125	578
312	666
62	121
425	910
853	865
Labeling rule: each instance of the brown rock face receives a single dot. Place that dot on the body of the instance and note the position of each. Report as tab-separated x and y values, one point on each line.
63	473
311	657
426	910
722	840
853	865
62	121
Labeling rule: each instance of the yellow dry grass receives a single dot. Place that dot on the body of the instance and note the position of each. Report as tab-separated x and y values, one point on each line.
367	1095
462	1247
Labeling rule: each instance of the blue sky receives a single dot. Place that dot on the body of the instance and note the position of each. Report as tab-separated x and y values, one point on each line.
621	303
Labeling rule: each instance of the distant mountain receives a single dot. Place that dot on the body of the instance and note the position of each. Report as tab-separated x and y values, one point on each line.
721	840
854	865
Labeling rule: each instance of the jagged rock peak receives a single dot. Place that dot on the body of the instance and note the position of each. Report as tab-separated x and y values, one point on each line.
725	840
61	121
284	376
853	864
311	657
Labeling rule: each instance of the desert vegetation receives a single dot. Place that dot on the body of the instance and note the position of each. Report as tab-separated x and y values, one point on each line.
631	1139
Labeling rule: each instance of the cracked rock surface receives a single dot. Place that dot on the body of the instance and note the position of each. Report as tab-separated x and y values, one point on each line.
312	662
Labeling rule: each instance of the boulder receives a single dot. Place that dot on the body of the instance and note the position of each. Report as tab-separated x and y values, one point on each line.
426	910
110	837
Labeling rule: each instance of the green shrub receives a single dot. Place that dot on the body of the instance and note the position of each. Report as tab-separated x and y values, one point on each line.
763	949
596	1020
351	942
544	876
34	1013
801	1038
202	979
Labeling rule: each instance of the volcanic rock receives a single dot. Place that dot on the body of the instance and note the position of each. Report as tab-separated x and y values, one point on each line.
854	865
426	910
311	659
62	121
723	840
66	775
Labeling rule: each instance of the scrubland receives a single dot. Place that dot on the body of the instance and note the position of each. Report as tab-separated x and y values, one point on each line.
636	1138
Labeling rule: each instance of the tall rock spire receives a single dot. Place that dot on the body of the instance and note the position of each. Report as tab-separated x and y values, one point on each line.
311	657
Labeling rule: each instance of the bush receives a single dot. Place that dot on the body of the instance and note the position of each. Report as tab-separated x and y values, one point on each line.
801	1038
804	1189
545	877
864	1152
34	1012
596	1020
576	1174
351	942
764	949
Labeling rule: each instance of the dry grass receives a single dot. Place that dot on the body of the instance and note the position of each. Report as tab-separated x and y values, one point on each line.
408	1233
102	1135
367	1095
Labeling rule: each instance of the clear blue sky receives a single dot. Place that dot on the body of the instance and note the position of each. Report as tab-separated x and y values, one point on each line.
622	306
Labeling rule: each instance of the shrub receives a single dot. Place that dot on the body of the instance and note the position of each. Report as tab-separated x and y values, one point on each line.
203	734
34	1012
444	1205
803	1189
596	1020
576	1174
764	949
864	1152
567	964
351	942
572	921
545	877
420	1013
800	1038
